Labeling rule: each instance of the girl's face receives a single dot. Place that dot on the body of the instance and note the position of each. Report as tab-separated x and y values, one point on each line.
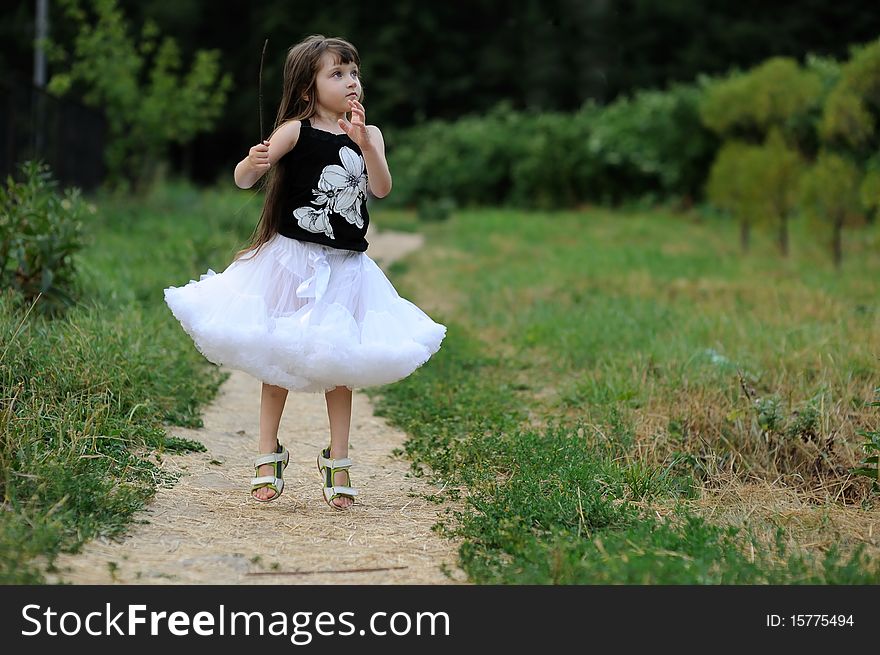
337	83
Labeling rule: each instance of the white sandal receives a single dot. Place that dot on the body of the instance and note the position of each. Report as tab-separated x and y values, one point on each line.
280	459
327	468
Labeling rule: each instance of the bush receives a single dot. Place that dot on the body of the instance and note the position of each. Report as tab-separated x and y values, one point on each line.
436	210
469	160
650	144
555	168
653	142
870	464
40	230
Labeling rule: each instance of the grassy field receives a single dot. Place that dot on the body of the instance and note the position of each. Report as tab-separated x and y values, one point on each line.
626	397
622	397
83	399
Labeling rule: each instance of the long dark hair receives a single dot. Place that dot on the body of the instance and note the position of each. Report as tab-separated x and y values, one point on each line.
298	101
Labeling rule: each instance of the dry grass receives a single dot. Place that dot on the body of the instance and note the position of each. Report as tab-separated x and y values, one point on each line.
810	522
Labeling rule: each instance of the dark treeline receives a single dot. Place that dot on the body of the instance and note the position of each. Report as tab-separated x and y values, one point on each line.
442	60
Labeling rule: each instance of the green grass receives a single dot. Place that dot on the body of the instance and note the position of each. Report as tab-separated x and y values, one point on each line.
598	369
383	217
85	398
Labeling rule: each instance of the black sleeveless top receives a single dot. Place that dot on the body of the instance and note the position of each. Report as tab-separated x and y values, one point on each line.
325	200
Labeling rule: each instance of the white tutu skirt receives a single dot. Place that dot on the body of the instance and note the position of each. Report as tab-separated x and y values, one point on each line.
306	317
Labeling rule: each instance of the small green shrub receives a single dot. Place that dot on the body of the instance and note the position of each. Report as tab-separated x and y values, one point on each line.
436	210
870	465
40	230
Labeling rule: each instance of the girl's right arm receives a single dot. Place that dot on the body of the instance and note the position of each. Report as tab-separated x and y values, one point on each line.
263	155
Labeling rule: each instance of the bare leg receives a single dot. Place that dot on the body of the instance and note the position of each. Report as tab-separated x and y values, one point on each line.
339	413
272	401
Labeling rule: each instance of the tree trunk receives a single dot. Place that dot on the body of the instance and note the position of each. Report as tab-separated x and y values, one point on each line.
783	234
837	242
744	235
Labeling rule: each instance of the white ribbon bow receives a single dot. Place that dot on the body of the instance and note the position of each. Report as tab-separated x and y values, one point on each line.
316	285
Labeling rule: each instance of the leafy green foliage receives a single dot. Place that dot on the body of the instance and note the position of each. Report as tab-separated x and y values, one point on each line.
869	189
870	464
734	183
554	167
149	101
468	160
653	145
800	115
440	209
180	445
770	95
650	144
830	196
40	232
852	110
830	190
757	184
653	142
781	167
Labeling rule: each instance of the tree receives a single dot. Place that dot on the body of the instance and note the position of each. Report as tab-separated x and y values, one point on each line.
869	191
779	168
750	104
851	112
829	195
767	105
844	185
732	183
148	101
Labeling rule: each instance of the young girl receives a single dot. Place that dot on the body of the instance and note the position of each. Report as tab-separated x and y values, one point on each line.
303	307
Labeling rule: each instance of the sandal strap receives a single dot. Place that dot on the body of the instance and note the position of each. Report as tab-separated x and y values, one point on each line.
263	479
271	458
334	492
275	484
335	464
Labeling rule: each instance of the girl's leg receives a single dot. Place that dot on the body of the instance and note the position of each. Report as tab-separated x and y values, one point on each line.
272	401
339	413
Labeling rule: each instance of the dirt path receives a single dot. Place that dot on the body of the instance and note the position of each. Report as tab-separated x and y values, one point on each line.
207	530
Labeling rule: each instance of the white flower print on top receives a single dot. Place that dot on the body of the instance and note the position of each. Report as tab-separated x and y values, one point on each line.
314	220
341	190
346	186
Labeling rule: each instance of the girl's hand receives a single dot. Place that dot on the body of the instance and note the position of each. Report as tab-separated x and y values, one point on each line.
258	157
357	129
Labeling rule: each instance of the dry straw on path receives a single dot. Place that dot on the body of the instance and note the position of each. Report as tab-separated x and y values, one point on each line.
206	529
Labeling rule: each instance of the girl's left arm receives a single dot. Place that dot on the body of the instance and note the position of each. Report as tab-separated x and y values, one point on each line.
372	145
377	167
